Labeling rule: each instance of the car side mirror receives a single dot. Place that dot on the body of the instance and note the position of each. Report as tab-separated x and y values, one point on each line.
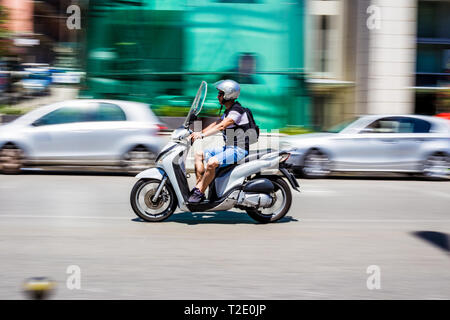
37	123
367	130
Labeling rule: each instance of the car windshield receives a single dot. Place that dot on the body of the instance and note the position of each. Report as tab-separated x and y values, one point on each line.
341	126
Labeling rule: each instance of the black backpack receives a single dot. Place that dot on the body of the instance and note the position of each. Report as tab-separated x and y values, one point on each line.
252	124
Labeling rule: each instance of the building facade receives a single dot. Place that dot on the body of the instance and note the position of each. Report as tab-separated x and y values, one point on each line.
161	50
40	34
433	57
377	57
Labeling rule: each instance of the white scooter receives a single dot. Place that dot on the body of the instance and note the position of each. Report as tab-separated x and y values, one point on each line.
266	198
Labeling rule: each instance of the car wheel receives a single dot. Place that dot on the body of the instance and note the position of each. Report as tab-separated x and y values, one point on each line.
316	164
437	166
11	159
138	159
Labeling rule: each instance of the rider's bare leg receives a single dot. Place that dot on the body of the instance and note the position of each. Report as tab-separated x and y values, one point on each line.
210	172
199	167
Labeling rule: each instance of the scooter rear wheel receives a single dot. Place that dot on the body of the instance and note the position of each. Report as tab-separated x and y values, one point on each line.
142	204
281	205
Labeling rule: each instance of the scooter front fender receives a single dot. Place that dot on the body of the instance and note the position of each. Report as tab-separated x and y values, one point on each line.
152	173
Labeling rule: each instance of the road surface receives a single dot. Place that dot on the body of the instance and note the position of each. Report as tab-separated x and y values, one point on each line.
341	237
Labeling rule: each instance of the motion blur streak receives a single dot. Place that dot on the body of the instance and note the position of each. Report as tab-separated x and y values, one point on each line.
356	91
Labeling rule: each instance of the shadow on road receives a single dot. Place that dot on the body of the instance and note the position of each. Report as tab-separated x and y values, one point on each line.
438	239
75	173
221	217
385	176
91	171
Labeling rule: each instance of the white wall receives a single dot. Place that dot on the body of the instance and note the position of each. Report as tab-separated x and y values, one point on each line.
386	78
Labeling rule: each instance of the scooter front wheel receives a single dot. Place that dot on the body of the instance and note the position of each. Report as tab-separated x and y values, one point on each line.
147	209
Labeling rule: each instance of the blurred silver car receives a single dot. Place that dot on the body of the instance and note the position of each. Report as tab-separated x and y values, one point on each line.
375	143
102	133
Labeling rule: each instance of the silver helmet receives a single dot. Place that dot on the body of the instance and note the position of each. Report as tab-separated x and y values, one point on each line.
230	88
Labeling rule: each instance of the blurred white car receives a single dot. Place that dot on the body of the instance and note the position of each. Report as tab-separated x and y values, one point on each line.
82	133
375	143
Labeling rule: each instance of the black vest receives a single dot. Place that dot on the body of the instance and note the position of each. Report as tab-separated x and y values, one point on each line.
235	135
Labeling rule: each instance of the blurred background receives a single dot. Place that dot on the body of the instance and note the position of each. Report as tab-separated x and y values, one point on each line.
304	64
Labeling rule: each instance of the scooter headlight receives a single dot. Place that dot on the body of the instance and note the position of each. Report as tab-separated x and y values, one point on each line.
179	134
284	157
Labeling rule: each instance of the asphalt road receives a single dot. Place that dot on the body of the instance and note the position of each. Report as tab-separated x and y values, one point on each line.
335	230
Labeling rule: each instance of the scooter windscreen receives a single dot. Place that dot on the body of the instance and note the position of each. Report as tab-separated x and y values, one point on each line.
197	104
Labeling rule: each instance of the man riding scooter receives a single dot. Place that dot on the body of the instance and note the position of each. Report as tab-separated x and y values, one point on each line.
236	145
266	197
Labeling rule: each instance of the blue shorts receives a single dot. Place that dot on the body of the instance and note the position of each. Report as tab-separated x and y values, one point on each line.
226	155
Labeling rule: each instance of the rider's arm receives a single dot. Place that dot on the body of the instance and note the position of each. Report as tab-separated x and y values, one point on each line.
217	127
212	125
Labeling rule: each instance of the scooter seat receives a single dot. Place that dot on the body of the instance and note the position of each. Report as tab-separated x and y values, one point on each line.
253	155
223	170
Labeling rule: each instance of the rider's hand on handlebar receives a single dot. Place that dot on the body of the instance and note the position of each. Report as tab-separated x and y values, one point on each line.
195	135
